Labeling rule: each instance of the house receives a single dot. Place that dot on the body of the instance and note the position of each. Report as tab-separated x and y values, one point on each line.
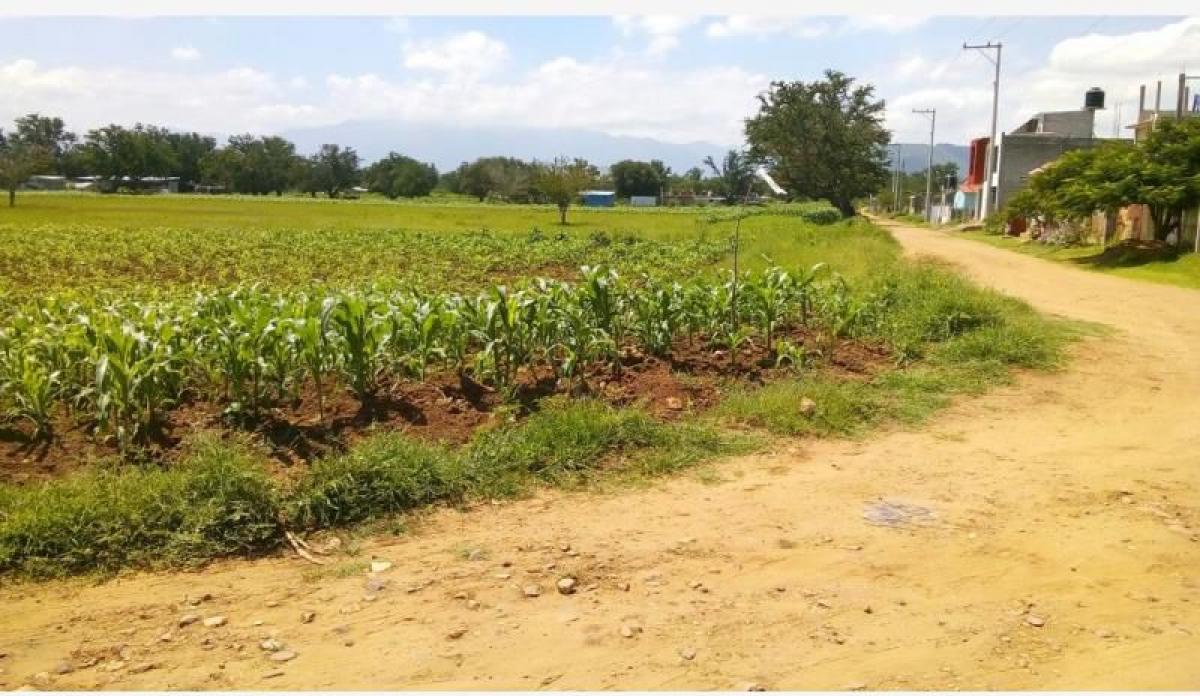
1042	138
643	201
966	198
46	182
598	199
144	184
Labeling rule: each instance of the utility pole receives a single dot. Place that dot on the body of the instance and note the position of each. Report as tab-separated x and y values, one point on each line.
896	178
986	198
948	184
932	114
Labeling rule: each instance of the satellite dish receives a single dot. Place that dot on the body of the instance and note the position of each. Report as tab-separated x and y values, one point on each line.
761	172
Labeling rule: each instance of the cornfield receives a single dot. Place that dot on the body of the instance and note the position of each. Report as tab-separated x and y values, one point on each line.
121	365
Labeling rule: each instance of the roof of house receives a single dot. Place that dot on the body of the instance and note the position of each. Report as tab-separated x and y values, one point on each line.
597	193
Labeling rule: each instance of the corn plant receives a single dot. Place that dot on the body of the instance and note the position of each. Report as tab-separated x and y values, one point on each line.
32	390
362	335
137	377
314	348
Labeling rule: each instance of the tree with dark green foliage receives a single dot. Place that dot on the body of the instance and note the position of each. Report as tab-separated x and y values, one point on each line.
114	151
189	150
1161	172
333	170
822	139
248	164
451	181
20	160
735	175
507	178
634	178
51	135
1168	174
398	176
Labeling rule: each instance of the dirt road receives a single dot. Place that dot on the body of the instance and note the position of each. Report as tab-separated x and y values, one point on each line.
1051	543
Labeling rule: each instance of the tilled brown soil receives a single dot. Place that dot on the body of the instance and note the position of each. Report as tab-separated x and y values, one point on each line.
444	407
1043	536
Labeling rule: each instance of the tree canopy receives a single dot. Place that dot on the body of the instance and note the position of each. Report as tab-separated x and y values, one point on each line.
19	160
332	170
397	176
561	180
822	139
1161	172
635	178
142	151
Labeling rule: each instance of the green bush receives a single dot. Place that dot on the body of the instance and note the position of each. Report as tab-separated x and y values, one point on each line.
842	407
385	474
560	442
217	503
815	212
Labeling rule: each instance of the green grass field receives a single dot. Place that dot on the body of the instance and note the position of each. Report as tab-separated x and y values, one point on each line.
136	243
132	297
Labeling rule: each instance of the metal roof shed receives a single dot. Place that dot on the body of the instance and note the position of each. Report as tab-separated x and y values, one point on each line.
598	199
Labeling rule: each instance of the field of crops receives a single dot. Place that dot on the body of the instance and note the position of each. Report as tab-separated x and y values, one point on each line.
136	327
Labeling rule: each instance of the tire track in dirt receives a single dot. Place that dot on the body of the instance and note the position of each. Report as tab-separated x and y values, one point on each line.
1067	499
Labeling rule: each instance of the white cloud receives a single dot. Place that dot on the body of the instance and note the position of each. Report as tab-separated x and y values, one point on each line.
890	24
1116	63
469	54
398	25
809	27
185	53
680	106
662	31
763	25
225	101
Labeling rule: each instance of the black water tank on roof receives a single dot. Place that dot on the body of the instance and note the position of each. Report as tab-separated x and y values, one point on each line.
1094	99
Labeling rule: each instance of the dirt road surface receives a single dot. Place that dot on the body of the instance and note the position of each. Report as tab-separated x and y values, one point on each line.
1047	538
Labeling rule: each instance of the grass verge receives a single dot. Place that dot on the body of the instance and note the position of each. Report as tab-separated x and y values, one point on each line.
221	502
950	338
1182	270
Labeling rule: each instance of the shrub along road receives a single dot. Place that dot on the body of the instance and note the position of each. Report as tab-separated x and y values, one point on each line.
1043	536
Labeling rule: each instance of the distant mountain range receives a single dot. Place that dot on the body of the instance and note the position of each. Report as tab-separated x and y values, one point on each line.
447	146
915	156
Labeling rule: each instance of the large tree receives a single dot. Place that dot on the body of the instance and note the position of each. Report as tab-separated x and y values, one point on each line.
189	150
561	180
398	176
114	151
822	139
1169	174
248	164
334	169
51	135
634	178
20	160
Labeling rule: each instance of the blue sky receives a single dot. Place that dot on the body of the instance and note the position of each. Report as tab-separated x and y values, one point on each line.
673	78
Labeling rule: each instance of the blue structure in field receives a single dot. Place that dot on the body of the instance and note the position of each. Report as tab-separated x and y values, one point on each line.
598	199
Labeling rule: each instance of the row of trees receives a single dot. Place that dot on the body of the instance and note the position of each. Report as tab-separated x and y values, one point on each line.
263	165
821	140
1161	172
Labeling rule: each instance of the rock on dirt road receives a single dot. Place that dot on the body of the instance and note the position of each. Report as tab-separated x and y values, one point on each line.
1060	552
